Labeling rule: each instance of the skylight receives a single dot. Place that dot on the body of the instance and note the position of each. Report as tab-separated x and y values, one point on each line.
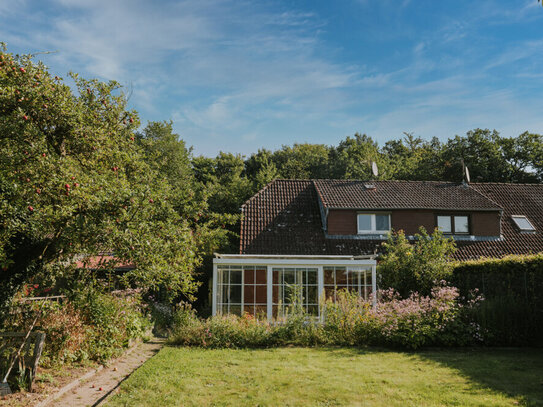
523	223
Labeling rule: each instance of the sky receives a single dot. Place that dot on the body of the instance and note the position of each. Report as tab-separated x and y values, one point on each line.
241	75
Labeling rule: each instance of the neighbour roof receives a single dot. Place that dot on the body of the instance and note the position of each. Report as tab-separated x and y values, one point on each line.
401	195
516	199
285	218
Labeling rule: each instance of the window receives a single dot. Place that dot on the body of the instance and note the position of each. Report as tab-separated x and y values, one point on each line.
241	289
444	224
523	223
373	223
448	223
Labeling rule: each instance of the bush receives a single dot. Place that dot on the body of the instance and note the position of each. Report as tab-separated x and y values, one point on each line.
438	319
88	326
416	267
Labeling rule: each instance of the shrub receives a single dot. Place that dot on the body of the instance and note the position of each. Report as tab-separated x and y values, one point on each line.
441	318
415	267
88	326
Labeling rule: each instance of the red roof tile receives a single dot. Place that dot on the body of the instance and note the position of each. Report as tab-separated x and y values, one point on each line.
285	218
401	195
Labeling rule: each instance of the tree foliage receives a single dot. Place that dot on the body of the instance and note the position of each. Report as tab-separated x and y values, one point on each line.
75	184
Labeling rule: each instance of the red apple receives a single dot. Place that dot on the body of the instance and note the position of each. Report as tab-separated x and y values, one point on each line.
30	208
38	191
67	186
131	120
43	154
22	70
76	185
25	117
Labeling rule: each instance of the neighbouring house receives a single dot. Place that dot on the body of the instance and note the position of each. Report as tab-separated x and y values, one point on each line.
324	235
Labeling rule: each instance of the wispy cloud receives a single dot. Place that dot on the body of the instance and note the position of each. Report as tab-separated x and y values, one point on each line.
238	75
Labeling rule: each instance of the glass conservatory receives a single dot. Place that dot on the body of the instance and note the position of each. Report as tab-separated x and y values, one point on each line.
263	285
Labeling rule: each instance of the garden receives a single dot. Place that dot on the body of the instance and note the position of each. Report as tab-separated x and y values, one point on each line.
106	240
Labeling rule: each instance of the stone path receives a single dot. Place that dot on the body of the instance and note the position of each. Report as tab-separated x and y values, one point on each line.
95	390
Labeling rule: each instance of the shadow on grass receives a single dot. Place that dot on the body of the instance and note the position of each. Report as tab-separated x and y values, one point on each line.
517	372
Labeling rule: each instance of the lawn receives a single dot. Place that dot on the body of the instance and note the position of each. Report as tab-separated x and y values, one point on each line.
335	377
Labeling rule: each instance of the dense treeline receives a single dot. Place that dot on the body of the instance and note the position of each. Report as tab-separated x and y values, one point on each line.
489	157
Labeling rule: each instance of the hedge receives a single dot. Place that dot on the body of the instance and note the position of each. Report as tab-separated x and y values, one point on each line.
513	288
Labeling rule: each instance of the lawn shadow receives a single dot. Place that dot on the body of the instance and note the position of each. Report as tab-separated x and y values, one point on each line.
516	372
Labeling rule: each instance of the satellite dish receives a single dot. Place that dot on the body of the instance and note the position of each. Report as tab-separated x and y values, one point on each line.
374	168
468	179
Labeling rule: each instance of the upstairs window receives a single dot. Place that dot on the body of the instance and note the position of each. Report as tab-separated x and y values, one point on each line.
373	223
523	223
453	224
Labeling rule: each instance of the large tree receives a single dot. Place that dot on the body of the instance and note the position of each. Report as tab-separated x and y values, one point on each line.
75	184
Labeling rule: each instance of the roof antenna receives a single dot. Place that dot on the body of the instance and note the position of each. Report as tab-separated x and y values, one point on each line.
466	179
374	169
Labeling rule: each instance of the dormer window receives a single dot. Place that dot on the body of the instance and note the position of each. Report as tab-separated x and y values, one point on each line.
453	224
523	223
373	223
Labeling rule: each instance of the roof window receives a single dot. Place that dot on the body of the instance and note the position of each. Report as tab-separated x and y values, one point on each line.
523	223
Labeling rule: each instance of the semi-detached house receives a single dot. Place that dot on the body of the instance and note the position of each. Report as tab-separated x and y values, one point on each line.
325	235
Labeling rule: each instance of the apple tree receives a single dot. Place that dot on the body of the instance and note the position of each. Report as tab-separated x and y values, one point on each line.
74	184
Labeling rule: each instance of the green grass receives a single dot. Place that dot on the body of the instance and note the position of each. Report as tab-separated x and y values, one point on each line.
336	377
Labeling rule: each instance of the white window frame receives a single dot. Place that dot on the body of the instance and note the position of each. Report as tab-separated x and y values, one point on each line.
373	230
452	220
526	219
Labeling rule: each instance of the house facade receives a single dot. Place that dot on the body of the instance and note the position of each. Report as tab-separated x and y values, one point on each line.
324	235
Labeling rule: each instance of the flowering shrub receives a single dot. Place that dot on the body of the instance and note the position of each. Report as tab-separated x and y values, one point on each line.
442	318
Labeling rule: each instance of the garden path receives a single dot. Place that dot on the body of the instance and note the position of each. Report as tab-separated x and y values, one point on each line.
95	390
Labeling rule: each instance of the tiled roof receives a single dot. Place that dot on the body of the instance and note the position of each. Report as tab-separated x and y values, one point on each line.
516	199
400	195
284	218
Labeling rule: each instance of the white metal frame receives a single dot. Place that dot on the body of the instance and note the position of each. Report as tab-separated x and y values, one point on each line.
271	261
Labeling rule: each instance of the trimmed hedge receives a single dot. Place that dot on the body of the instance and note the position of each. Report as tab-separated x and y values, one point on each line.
513	289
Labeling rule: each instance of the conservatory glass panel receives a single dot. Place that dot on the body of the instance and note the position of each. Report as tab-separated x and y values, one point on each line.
242	289
291	282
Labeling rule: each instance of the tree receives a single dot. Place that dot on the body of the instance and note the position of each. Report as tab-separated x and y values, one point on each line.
302	161
415	267
75	184
524	155
352	158
480	152
413	158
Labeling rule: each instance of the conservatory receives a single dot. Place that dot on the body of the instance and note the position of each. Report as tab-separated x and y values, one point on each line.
263	285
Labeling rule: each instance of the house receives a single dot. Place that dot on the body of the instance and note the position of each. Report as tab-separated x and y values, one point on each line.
324	235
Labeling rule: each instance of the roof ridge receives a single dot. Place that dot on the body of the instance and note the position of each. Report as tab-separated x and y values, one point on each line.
507	183
386	180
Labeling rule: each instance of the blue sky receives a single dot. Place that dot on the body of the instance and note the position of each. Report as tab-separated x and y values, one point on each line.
240	75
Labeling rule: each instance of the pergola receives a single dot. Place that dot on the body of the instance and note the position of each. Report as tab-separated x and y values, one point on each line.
262	285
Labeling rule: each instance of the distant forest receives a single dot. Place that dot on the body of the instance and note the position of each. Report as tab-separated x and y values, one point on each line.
230	179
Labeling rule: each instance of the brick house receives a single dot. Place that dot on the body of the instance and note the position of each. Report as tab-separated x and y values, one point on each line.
324	235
